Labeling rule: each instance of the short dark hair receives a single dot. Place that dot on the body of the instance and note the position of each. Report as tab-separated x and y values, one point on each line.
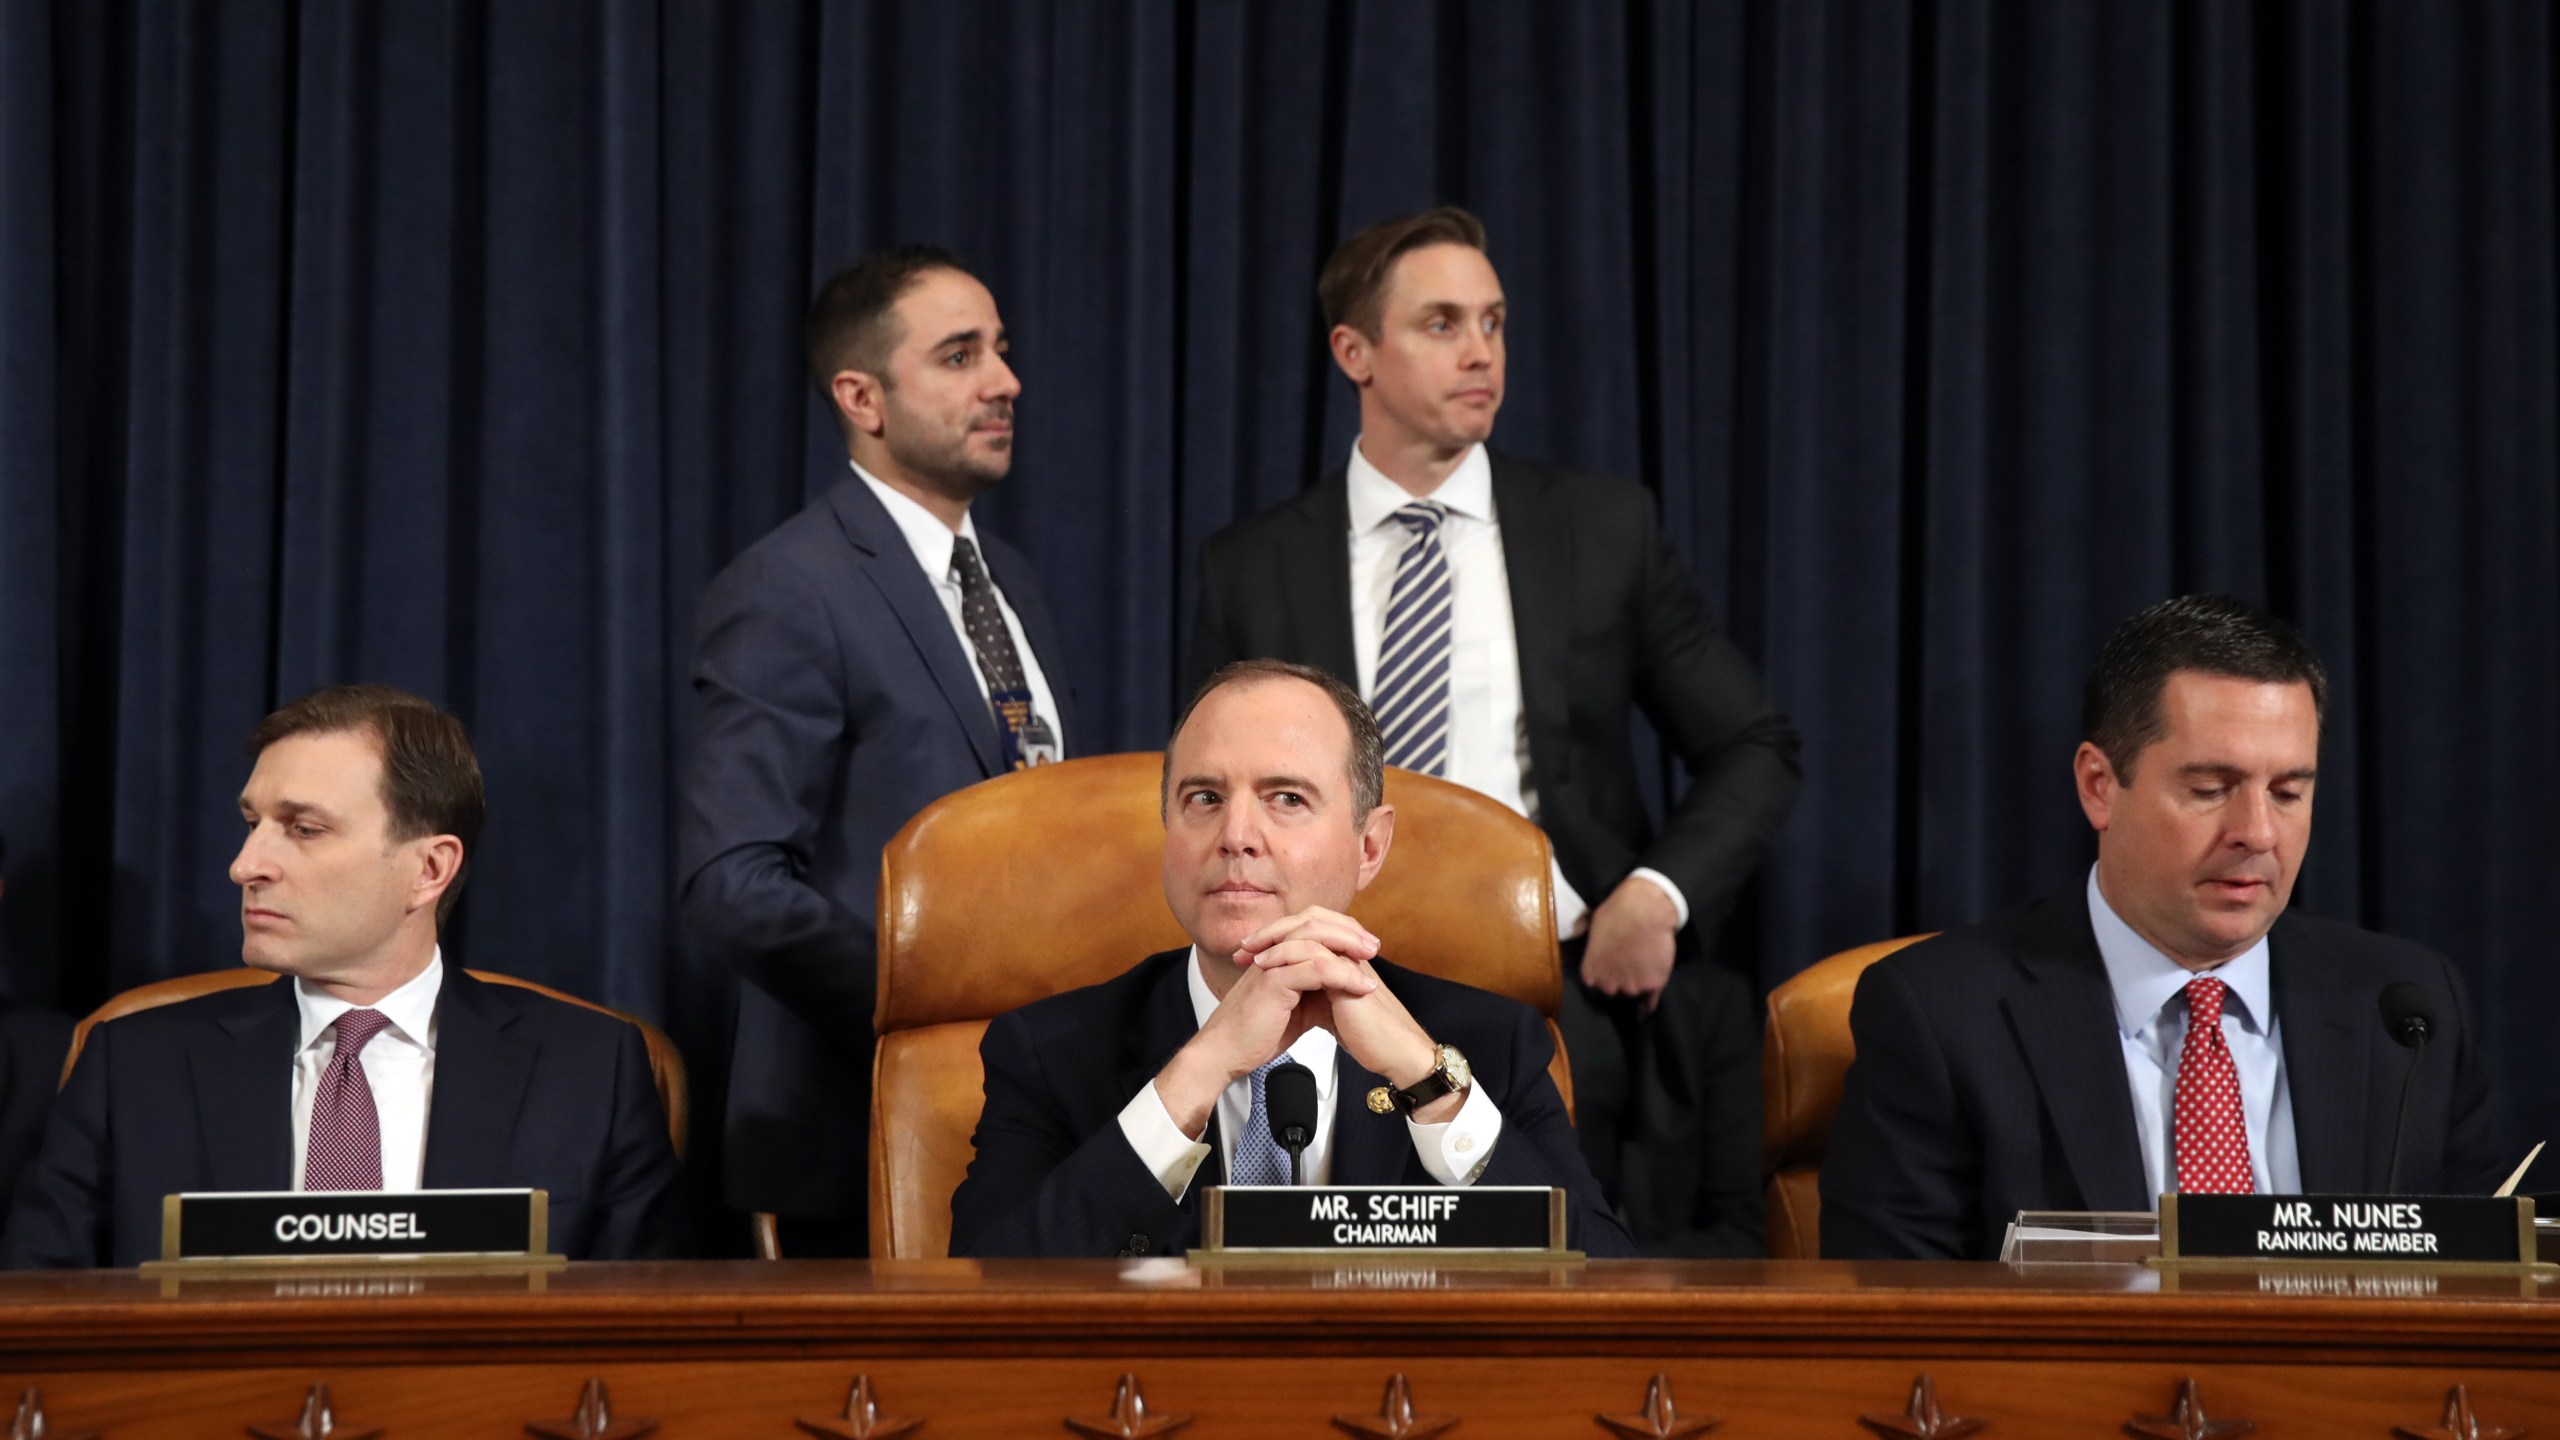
852	322
2214	634
430	777
1367	764
1353	286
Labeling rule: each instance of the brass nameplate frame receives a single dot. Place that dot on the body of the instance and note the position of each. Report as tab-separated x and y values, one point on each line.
2450	1234
1435	1224
295	1230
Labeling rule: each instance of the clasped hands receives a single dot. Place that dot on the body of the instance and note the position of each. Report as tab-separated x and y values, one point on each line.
1304	971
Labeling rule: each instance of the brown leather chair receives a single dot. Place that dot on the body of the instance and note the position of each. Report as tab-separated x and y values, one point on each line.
1048	879
666	1066
1803	1060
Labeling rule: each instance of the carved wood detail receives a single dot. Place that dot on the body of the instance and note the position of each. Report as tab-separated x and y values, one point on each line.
318	1421
861	1420
1395	1419
2459	1423
30	1423
2186	1421
1128	1419
1921	1419
592	1420
1659	1420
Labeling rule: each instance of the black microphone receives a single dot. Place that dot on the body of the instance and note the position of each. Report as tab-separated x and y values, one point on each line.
1289	1094
2410	1016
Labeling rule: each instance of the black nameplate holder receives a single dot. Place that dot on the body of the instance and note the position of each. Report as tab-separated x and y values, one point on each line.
507	1229
2449	1232
1425	1223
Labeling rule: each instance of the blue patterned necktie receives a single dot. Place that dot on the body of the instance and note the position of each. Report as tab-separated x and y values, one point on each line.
1259	1160
1411	697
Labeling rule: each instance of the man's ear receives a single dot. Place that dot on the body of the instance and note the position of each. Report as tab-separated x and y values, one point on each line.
1375	837
439	862
859	403
1351	351
2094	776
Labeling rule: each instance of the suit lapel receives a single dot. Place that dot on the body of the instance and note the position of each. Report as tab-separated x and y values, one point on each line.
2328	1062
887	562
2061	1014
1368	1148
245	1068
1315	580
1537	557
481	1073
1166	1025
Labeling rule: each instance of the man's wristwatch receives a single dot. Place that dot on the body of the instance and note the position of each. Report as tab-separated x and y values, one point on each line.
1448	1077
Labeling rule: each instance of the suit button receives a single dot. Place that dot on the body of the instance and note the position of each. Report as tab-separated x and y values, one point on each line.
1137	1245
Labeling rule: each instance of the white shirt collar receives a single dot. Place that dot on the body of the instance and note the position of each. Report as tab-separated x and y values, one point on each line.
1466	490
2145	981
925	532
1314	1049
411	1009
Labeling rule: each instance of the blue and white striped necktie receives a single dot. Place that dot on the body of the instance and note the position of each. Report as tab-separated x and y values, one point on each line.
1411	697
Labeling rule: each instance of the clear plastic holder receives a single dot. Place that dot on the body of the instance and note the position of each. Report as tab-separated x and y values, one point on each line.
2081	1237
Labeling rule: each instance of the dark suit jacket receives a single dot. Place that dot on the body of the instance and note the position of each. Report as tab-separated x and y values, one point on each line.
529	1091
1053	1175
32	1044
1990	1080
1607	618
836	703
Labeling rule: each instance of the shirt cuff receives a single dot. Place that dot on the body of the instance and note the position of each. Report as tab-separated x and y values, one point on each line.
1455	1151
1169	1155
1679	901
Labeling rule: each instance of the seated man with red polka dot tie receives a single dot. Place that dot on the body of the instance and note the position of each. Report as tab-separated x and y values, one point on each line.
2169	1025
376	1065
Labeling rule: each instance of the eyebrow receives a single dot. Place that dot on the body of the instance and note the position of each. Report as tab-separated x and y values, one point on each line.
1288	782
965	337
291	809
2218	769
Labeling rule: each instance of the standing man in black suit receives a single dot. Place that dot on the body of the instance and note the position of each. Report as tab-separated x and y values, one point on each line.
375	1066
1104	1104
2169	1025
1502	616
873	653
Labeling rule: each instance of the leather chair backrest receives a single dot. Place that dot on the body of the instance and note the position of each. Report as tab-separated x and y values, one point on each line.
666	1065
1048	879
1803	1059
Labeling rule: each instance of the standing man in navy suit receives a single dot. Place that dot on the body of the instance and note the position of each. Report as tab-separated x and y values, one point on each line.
376	1065
873	653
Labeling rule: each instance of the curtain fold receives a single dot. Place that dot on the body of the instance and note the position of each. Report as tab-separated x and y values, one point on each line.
456	345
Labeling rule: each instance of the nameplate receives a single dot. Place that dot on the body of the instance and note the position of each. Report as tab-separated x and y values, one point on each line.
2397	1230
349	1224
1301	1219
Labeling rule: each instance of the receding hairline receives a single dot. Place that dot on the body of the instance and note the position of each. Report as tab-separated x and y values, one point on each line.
1238	686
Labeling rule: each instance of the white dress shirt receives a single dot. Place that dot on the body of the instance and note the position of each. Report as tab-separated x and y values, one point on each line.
2151	1024
930	539
1453	1152
1488	725
399	1065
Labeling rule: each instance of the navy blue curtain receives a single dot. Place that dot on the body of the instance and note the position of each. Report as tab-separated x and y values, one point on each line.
454	345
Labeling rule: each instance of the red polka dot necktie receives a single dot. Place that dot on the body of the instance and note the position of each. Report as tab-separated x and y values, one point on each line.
346	1133
2212	1135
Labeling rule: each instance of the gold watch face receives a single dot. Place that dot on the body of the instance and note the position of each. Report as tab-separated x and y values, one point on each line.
1381	1100
1455	1066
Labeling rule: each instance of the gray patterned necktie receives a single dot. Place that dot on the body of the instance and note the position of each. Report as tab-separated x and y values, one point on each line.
1259	1160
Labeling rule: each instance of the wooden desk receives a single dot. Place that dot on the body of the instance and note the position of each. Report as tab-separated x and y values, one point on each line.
1016	1349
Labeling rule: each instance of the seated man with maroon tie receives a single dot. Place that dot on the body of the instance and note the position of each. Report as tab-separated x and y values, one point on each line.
379	1066
2169	1026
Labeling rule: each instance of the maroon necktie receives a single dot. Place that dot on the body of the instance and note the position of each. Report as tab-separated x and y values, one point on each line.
346	1134
2213	1137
